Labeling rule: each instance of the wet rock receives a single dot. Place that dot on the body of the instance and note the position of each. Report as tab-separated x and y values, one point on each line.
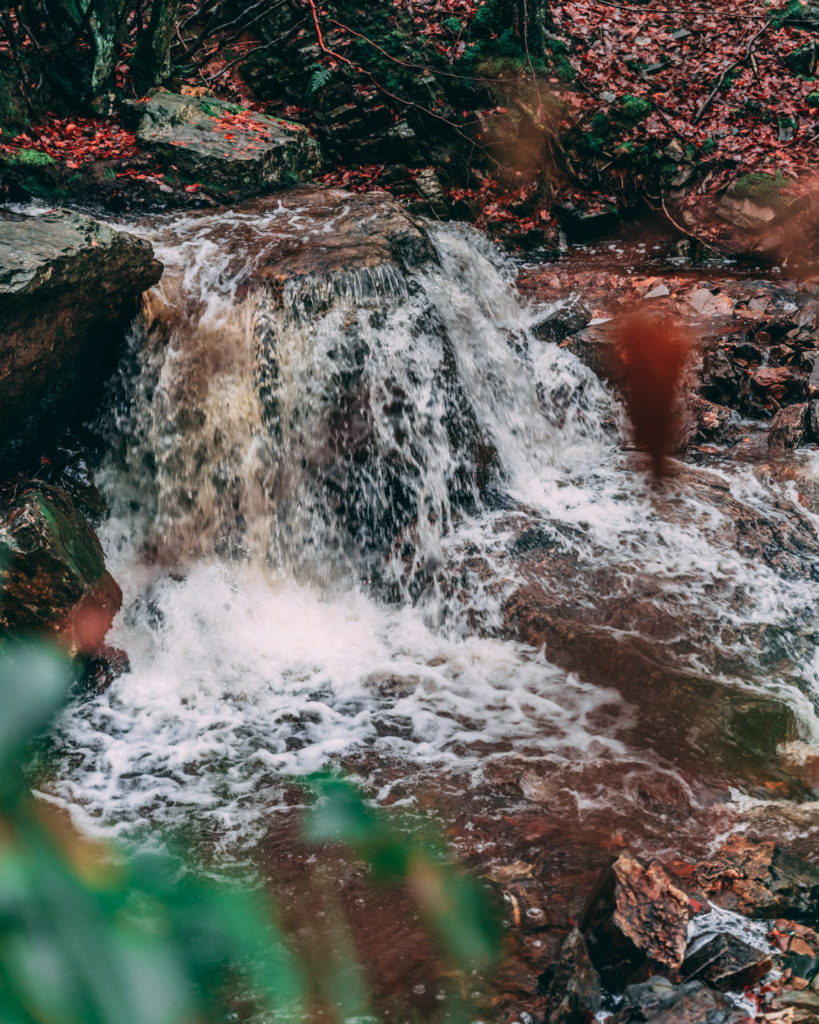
68	288
223	147
789	427
725	962
102	668
569	317
759	879
657	1000
636	915
574	996
54	575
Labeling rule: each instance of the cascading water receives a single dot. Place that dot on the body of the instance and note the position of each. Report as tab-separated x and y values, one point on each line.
316	484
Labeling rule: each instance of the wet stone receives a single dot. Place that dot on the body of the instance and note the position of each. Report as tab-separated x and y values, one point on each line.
760	880
635	917
657	1000
574	995
789	427
570	316
725	962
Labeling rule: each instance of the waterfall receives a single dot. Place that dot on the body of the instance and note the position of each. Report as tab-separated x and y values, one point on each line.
320	486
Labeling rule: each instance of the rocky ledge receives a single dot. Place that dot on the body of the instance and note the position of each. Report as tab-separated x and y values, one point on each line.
224	148
68	288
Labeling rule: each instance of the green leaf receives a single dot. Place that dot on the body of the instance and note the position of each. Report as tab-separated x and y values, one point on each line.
34	680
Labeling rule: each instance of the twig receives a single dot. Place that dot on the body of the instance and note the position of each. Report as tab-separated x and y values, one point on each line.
684	231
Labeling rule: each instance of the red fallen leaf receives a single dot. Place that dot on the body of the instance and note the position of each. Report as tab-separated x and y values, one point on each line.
71	164
192	188
652	353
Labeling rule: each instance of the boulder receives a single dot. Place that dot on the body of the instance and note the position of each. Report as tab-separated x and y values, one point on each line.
760	880
636	916
68	288
53	570
726	963
224	147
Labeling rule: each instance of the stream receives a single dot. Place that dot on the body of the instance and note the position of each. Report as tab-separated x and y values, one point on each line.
364	519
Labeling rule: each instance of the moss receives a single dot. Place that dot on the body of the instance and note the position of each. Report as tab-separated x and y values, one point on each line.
761	188
635	108
29	158
813	99
709	146
452	25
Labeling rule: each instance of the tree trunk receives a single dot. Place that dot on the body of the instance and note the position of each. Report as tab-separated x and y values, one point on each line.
152	60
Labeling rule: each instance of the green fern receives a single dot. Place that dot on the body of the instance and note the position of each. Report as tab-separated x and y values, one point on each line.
320	77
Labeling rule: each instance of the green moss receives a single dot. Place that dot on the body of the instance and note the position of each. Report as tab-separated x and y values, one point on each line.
635	108
761	188
708	146
452	25
813	99
29	158
600	123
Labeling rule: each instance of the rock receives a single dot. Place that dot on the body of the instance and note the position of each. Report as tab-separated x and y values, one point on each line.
571	316
760	880
767	378
707	303
54	575
660	291
657	1000
223	147
68	288
100	669
813	421
744	213
725	962
805	1000
789	427
574	996
813	380
635	914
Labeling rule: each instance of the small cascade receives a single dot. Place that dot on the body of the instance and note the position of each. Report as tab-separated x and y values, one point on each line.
330	464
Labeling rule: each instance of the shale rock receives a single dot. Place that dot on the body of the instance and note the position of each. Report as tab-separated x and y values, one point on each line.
68	288
759	879
635	915
725	962
569	317
574	995
53	571
223	147
657	1000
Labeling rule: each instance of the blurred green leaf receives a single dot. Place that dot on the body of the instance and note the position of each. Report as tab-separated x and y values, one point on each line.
34	680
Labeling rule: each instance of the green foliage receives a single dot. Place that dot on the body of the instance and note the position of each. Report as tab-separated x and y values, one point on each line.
709	145
812	99
29	158
318	79
453	905
90	937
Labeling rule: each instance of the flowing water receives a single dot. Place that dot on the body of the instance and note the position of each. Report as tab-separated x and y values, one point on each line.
326	491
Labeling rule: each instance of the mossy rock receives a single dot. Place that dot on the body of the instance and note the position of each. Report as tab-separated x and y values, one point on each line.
761	188
224	146
28	158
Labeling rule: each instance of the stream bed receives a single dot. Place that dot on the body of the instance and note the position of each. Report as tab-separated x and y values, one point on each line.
364	519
